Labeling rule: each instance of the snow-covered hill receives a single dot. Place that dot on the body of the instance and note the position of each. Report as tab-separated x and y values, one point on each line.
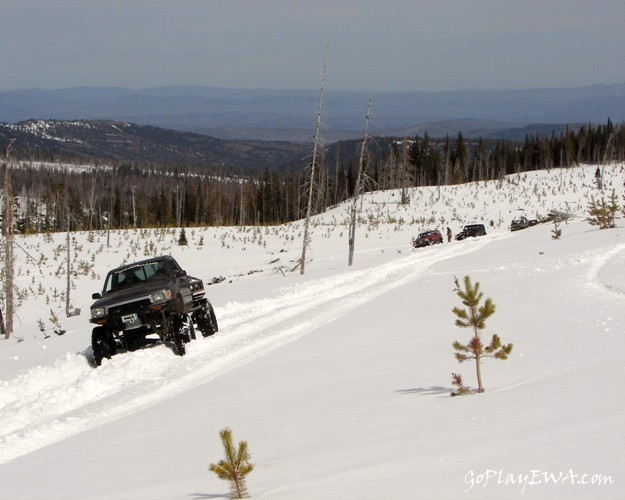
339	379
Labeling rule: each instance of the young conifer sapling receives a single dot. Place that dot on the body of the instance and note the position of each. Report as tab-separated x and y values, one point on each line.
474	317
235	466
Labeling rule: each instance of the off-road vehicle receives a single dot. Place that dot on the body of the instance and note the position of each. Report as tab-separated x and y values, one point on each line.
471	230
150	301
518	224
427	238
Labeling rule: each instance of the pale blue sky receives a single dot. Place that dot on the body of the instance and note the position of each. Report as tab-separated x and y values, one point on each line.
375	45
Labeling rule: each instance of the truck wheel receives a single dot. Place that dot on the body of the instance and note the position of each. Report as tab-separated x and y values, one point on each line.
102	344
206	319
180	334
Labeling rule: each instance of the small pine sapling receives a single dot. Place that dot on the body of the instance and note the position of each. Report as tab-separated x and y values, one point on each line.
556	232
235	466
603	213
475	316
42	328
54	319
456	380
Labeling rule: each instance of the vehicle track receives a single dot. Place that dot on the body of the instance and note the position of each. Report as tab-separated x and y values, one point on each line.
52	402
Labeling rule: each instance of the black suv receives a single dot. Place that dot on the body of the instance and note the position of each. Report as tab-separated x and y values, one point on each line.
149	301
472	230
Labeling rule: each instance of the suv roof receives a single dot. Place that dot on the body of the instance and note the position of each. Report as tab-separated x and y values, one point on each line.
168	258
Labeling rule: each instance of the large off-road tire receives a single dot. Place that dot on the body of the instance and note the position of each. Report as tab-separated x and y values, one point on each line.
103	344
181	333
205	319
191	329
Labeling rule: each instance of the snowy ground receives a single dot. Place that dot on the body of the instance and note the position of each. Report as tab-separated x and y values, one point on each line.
339	379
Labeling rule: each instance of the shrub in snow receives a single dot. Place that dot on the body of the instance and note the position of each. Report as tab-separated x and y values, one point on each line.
54	319
556	232
456	380
42	328
474	317
602	213
235	466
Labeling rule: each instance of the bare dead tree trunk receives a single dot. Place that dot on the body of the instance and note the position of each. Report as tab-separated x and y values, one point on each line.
313	164
357	189
92	201
242	207
68	310
404	172
108	231
336	178
7	231
134	207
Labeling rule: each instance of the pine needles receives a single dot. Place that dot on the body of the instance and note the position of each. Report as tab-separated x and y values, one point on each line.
475	316
235	466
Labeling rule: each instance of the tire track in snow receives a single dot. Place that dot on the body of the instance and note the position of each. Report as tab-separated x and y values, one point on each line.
53	402
600	263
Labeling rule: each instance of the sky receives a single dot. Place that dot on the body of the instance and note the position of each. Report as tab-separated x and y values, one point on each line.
372	45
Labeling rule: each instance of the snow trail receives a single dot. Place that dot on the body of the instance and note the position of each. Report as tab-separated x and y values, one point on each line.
52	402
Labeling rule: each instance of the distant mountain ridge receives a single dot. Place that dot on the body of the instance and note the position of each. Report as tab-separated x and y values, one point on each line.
105	139
289	115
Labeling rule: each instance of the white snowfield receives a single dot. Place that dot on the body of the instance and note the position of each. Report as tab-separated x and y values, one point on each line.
340	379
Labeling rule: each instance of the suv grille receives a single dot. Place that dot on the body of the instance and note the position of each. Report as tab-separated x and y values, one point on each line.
129	308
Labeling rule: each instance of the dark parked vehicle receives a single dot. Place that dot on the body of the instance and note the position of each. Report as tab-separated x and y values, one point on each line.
518	224
146	302
427	238
471	230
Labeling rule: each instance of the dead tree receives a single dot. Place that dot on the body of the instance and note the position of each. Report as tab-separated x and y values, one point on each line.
7	232
313	165
357	189
404	172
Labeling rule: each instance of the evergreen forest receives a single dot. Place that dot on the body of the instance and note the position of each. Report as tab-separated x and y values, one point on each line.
61	194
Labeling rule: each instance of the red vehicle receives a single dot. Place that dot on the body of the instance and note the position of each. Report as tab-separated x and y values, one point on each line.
427	238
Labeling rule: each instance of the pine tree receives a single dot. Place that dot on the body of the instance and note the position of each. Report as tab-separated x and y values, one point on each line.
456	380
236	465
475	317
602	213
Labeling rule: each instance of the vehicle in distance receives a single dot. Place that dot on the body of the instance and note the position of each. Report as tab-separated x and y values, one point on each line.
150	301
518	224
471	230
427	238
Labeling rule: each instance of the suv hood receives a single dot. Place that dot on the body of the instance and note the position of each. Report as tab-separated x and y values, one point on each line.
129	294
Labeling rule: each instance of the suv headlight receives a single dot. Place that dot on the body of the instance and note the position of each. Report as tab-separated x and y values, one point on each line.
161	296
98	312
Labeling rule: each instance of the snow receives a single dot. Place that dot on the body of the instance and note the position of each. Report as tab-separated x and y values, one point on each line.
340	379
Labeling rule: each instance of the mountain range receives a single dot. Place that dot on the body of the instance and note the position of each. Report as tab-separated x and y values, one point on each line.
289	115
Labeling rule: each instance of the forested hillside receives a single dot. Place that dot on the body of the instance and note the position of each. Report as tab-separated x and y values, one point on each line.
51	140
101	193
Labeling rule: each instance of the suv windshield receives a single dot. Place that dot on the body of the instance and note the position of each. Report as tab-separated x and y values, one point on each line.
130	276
